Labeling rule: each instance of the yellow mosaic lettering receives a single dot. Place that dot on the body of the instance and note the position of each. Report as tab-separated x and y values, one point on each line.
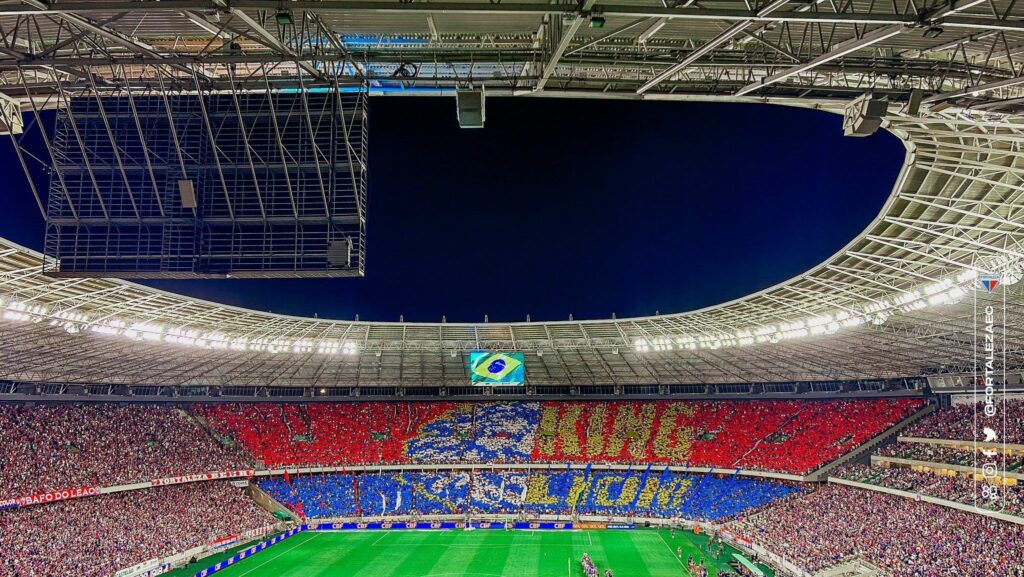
538	490
626	495
567	429
595	430
672	442
546	429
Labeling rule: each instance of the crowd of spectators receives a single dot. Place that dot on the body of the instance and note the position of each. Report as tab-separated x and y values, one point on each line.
642	493
55	447
314	495
659	494
781	436
820	432
966	457
958	423
884	476
904	537
280	435
48	448
425	493
958	488
98	536
372	494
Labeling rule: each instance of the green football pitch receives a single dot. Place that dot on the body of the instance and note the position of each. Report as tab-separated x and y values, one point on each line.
481	553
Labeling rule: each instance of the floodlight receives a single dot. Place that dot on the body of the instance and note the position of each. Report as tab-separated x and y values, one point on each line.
967	276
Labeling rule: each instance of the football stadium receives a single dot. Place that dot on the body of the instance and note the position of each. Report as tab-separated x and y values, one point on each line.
857	412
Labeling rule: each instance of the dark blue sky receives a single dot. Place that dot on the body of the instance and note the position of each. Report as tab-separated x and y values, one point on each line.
566	206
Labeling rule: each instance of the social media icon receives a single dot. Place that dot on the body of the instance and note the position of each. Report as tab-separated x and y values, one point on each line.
990	435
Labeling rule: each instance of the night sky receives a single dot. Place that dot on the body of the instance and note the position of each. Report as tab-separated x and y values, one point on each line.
573	206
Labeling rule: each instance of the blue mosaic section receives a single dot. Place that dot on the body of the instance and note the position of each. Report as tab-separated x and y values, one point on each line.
495	432
644	492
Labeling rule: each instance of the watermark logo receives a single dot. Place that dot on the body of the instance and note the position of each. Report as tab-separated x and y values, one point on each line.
989	393
990	435
989	282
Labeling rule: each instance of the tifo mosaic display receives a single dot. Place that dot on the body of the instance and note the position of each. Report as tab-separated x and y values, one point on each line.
644	492
782	436
65	451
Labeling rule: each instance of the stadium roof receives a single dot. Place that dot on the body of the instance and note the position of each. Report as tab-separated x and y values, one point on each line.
963	50
898	300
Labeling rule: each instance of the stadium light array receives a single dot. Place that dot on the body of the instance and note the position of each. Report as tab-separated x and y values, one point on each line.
74	322
947	291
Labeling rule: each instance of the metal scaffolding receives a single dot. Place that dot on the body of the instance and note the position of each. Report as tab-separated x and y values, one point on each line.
256	184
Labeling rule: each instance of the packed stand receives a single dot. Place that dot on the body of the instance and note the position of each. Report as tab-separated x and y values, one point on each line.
958	423
821	432
96	537
408	493
906	538
60	447
281	435
783	436
314	495
965	457
56	447
645	493
959	489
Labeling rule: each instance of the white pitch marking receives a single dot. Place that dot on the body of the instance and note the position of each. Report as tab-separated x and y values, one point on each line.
279	554
673	553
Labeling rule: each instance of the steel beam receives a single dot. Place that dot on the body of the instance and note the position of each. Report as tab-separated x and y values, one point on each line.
708	46
265	37
842	49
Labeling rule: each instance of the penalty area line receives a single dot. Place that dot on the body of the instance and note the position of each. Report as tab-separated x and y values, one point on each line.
279	554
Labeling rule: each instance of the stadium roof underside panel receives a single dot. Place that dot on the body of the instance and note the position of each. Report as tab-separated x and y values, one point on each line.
967	52
898	300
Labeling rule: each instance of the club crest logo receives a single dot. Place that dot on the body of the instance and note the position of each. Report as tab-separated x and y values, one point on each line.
989	282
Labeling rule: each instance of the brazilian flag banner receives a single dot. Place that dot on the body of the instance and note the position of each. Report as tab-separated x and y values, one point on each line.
503	369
